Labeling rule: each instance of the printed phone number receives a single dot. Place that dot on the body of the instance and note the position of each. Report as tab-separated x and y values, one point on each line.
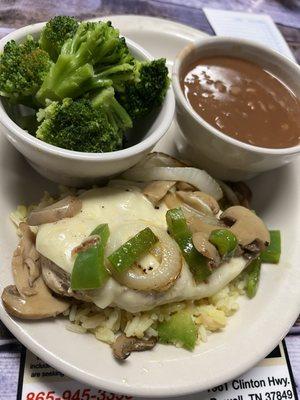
85	394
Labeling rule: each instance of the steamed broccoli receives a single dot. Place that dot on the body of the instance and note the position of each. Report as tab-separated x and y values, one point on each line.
91	87
23	67
89	125
116	114
118	75
56	32
94	45
148	89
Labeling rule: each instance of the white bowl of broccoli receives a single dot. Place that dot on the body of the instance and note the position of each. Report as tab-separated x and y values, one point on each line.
79	101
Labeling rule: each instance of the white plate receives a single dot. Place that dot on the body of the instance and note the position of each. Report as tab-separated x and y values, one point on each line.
251	333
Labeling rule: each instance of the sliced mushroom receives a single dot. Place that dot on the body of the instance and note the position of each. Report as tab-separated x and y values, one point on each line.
243	193
199	222
208	250
65	208
26	262
200	201
186	187
38	306
172	201
123	346
59	281
87	243
155	191
247	226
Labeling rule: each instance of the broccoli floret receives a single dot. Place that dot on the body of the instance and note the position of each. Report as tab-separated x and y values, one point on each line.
116	114
56	32
77	125
118	75
95	44
90	124
23	67
147	91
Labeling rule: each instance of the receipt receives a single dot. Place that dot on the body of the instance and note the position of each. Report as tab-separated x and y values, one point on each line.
258	27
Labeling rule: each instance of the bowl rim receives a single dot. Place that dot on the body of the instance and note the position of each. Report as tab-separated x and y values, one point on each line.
142	146
198	44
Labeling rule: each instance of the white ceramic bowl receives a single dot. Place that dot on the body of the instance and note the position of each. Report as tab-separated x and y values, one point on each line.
207	147
77	168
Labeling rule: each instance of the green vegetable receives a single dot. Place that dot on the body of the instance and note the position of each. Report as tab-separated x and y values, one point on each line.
93	125
148	89
55	33
23	67
94	45
180	232
273	251
180	328
225	241
89	271
252	277
118	75
116	114
126	255
96	86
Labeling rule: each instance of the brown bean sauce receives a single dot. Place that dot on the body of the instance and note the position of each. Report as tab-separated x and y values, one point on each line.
244	101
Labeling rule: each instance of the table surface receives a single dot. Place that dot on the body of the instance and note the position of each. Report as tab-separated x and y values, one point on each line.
17	13
286	13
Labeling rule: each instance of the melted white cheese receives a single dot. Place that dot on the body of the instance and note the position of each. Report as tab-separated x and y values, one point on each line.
123	205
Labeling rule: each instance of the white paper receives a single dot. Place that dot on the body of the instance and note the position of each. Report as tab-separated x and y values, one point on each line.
258	27
269	380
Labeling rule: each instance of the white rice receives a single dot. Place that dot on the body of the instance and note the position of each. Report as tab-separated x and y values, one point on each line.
209	314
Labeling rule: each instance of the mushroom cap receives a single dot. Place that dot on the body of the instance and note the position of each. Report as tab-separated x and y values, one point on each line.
155	191
207	249
185	187
38	306
26	262
65	208
59	281
246	226
123	346
200	201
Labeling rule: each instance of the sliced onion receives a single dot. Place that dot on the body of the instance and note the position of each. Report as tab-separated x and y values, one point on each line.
157	159
65	208
125	183
196	177
162	274
229	193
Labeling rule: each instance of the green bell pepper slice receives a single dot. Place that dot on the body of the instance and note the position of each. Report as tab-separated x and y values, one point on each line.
180	328
127	254
225	241
89	271
273	251
180	232
252	277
